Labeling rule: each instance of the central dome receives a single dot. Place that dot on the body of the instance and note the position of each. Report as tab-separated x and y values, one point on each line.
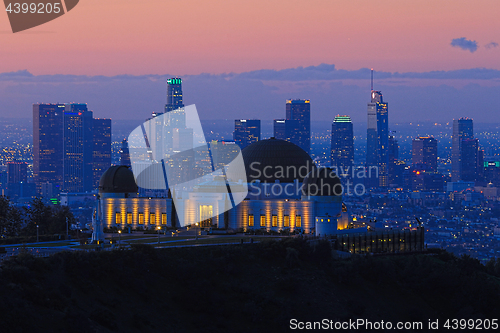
270	160
118	179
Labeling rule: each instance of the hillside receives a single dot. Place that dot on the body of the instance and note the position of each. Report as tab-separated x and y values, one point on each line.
249	288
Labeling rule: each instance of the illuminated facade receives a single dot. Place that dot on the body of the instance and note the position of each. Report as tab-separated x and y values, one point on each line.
119	205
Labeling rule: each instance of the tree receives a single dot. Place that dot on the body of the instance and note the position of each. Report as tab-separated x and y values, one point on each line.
58	221
11	218
38	214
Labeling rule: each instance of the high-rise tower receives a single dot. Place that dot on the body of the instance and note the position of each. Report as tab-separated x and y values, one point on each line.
64	147
300	110
424	154
101	158
463	129
246	132
48	145
174	94
78	146
342	149
377	146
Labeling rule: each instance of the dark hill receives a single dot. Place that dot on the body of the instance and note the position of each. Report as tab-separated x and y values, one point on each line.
251	288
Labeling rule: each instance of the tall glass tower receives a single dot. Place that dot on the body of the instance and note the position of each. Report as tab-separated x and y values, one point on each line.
463	129
78	147
300	110
174	94
342	152
65	146
48	145
246	132
377	146
102	148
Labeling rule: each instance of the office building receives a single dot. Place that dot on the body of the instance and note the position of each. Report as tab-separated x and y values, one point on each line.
342	144
300	110
63	147
394	172
287	130
462	130
491	171
17	172
78	146
101	158
48	145
17	180
469	159
174	94
377	146
246	132
424	153
223	152
124	154
279	129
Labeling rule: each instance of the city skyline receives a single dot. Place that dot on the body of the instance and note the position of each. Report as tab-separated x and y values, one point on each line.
287	156
447	95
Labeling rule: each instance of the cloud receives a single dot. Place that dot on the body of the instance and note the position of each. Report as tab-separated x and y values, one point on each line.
464	44
491	45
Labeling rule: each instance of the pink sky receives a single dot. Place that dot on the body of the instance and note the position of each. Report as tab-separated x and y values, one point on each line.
109	37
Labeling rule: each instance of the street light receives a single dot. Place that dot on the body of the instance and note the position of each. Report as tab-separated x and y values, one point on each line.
67	233
37	233
158	235
119	238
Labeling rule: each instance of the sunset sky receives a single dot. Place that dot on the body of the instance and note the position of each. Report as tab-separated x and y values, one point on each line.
110	37
257	54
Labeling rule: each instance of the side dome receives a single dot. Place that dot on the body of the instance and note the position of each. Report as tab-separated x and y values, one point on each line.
118	179
322	182
270	160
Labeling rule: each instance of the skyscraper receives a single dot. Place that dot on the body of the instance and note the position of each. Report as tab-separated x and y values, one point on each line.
342	148
300	110
78	146
279	129
287	130
424	153
469	159
17	176
377	147
17	172
394	171
124	154
246	132
174	94
462	130
63	147
48	145
101	158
